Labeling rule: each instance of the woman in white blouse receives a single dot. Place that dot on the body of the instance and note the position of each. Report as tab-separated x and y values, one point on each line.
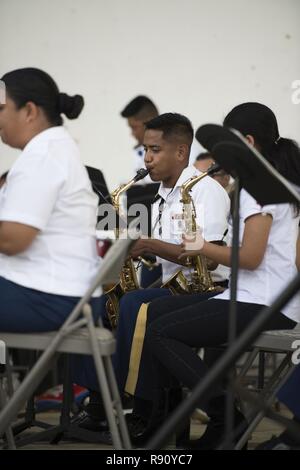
267	254
48	210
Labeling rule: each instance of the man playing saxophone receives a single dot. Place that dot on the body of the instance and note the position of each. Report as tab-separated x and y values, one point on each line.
167	142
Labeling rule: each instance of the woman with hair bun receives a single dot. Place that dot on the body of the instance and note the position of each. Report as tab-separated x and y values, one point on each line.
48	254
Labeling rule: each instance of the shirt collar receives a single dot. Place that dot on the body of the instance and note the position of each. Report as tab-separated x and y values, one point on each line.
187	173
57	132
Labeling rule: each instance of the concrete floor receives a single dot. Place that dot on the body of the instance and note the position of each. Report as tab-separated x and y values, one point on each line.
264	431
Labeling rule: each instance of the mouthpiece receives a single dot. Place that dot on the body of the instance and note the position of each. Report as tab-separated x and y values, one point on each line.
213	169
141	173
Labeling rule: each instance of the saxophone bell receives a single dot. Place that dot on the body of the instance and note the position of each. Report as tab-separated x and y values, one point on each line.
149	261
177	284
128	277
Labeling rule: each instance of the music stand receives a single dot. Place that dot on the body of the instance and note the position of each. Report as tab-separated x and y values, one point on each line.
256	174
99	184
251	171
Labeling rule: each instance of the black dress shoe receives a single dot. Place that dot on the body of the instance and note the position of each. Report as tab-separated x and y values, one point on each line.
86	421
139	429
214	435
88	428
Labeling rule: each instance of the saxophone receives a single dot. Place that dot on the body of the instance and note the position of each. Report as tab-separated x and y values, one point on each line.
177	284
128	278
200	279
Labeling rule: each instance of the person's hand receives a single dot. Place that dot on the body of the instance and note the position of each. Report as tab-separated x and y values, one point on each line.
140	247
192	245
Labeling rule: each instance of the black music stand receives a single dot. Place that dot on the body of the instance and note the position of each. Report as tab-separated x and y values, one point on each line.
99	184
252	172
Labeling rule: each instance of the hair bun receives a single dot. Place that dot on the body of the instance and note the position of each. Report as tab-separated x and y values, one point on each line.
71	106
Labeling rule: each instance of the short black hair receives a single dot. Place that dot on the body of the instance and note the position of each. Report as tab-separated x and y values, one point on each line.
141	108
173	125
203	156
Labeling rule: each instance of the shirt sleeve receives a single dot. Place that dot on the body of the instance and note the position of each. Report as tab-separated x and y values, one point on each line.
249	206
31	191
212	208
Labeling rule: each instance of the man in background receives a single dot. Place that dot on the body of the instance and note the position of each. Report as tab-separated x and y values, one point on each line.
203	161
139	110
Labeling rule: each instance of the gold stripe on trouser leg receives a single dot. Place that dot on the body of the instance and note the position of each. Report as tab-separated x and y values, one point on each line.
136	349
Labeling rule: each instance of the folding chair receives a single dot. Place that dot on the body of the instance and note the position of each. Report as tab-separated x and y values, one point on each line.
277	341
78	335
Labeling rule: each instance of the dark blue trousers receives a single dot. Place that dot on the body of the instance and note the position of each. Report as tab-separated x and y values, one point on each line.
149	277
146	385
129	307
27	310
174	331
84	372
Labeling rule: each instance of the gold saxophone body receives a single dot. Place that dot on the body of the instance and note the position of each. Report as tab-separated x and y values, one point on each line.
177	284
200	278
128	278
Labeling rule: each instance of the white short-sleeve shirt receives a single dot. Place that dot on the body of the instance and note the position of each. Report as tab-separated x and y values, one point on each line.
278	266
212	208
48	188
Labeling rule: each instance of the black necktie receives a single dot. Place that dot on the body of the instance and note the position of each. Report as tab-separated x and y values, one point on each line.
160	210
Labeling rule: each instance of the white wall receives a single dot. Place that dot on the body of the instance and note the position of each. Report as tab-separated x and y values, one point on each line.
196	57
